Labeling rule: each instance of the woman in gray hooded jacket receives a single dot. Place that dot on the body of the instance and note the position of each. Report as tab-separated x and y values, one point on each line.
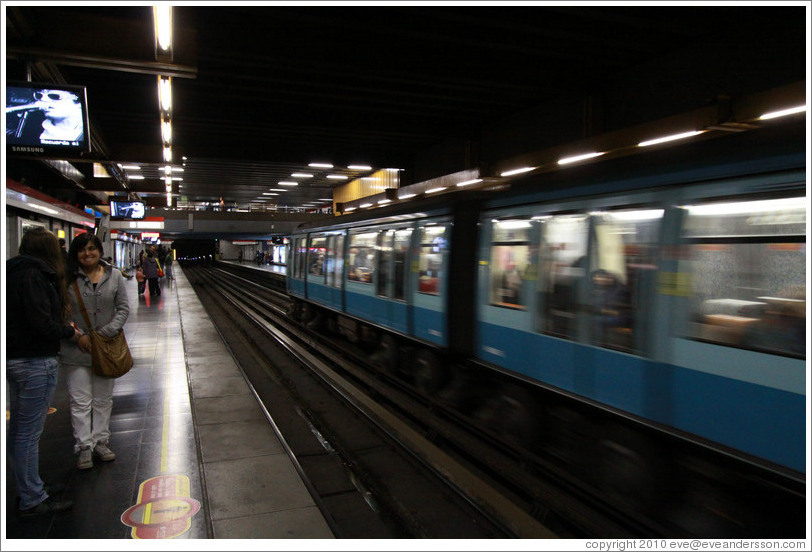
104	295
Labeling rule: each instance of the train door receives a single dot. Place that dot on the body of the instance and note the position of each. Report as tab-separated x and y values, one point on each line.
507	294
296	268
361	262
317	289
429	281
390	280
334	270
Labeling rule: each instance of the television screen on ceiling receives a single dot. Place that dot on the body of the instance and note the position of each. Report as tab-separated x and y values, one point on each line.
47	120
127	209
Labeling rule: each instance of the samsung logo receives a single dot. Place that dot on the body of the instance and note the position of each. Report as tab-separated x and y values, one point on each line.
27	149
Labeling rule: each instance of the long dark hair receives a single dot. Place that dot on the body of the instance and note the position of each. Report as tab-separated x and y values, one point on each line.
42	244
79	243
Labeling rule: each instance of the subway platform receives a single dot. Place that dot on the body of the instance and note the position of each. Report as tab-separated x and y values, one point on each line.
196	456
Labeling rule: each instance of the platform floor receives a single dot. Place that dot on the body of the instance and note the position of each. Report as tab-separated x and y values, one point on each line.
196	456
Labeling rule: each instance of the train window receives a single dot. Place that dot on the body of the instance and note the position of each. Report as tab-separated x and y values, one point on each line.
403	239
430	260
510	257
748	264
361	256
384	260
563	262
315	261
622	277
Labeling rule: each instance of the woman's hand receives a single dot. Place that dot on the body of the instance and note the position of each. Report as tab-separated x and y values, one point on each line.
84	343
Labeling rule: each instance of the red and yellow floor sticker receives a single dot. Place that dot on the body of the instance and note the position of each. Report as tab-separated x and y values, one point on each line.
164	509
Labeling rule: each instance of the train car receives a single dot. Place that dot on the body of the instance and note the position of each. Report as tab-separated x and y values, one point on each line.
668	288
389	271
27	208
676	297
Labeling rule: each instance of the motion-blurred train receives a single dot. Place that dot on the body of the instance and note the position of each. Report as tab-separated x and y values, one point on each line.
666	287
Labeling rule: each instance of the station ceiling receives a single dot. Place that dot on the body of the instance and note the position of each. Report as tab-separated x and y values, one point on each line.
261	91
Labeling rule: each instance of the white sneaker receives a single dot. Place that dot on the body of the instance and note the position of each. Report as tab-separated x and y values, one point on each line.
85	459
104	453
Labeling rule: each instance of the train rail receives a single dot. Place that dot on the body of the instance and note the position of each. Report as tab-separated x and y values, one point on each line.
365	441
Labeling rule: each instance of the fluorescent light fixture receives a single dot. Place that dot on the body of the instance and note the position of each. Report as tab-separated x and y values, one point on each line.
469	182
167	170
321	165
634	216
177	179
163	25
746	207
326	199
277	190
168	154
517	171
783	112
435	190
513	224
269	193
130	167
384	201
178	169
670	138
576	158
287	183
135	176
360	167
165	93
348	209
43	209
407	196
166	131
301	175
337	177
365	205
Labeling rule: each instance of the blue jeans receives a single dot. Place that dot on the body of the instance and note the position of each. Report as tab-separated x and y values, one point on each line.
31	384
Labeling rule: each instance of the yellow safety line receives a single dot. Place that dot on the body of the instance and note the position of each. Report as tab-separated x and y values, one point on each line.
165	430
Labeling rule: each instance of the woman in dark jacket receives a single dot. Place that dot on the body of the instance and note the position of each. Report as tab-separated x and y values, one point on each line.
37	322
151	272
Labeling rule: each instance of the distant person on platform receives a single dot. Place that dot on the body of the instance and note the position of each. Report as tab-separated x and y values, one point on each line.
168	265
151	272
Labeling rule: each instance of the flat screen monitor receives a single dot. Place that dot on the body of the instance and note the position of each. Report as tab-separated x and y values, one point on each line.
47	120
127	209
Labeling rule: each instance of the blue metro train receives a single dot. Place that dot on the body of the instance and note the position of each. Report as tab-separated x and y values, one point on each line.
668	287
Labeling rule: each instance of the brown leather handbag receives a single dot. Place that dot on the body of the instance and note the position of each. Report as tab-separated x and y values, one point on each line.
111	355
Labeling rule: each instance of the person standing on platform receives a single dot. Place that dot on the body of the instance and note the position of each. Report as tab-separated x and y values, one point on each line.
168	266
104	295
151	272
64	249
38	320
141	279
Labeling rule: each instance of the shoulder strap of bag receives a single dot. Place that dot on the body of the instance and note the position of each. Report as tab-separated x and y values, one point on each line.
81	304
